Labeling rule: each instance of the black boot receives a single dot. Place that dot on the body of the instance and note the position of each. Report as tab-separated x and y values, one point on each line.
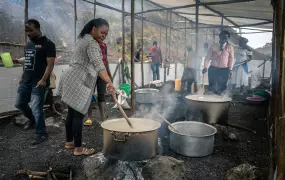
29	125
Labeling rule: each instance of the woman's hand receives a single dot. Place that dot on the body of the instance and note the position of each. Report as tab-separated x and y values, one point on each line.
110	88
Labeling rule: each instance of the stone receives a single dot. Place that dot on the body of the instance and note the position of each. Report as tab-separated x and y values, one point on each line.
21	120
101	168
233	136
51	121
244	172
164	167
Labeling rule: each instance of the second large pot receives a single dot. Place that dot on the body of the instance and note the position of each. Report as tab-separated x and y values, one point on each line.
195	139
130	144
146	96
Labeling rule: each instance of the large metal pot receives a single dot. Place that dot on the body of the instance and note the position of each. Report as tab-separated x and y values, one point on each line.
195	139
214	110
130	144
146	96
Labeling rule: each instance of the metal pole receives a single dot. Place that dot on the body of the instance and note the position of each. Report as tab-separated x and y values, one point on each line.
222	23
142	46
123	39
132	55
185	38
197	31
214	35
94	9
75	19
26	16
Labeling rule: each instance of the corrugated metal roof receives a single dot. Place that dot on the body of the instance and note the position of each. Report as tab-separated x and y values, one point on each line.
245	14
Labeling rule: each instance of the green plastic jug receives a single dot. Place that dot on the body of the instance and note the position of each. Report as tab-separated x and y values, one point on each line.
7	60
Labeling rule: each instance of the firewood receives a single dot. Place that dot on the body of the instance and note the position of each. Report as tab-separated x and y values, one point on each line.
36	177
70	175
53	176
33	173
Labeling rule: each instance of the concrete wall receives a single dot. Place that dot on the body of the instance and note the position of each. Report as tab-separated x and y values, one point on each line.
9	79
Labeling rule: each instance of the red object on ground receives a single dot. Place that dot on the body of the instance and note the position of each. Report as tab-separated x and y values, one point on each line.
255	100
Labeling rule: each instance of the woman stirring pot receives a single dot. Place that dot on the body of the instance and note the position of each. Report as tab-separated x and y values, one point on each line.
77	83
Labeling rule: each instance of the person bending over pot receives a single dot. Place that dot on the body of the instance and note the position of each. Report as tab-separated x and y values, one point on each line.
77	83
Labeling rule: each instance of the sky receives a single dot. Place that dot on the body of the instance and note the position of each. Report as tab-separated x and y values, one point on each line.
257	40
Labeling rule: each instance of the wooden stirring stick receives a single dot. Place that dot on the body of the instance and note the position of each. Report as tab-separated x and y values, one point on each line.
122	111
167	122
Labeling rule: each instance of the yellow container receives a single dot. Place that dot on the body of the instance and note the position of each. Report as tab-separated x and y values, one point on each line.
7	60
177	84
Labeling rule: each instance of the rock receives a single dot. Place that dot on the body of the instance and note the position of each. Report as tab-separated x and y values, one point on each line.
101	168
93	165
244	172
49	121
232	136
21	120
164	167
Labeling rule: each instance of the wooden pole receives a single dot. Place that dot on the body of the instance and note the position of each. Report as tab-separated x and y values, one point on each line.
75	19
26	16
166	50
169	42
132	55
123	39
142	46
280	57
95	8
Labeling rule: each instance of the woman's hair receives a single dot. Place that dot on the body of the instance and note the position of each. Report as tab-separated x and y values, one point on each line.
93	23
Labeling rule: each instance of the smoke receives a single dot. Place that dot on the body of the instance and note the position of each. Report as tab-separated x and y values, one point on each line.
165	106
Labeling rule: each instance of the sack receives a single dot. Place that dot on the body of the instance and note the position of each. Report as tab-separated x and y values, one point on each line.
122	100
52	79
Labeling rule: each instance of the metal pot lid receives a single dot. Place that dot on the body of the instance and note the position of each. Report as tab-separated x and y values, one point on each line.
139	125
208	98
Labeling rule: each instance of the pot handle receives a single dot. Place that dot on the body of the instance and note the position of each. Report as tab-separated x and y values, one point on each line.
125	137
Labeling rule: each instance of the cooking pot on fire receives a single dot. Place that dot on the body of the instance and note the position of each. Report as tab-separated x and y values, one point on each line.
215	109
122	142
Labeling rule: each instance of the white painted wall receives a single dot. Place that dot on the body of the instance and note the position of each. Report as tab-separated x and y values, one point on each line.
138	80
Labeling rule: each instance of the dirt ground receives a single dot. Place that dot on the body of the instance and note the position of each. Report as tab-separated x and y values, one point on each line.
16	152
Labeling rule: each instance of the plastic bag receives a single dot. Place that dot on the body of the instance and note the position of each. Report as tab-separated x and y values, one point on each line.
122	100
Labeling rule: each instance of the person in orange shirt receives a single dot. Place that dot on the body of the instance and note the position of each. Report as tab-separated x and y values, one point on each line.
220	56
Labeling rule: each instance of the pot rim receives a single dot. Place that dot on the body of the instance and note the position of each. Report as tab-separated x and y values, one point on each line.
222	101
157	124
194	122
152	89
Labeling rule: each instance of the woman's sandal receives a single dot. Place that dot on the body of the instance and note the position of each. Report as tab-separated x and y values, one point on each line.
88	122
85	151
69	145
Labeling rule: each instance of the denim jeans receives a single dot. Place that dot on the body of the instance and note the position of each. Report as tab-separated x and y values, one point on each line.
29	93
155	70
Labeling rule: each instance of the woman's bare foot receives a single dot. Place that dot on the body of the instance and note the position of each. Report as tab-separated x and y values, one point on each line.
69	145
78	151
